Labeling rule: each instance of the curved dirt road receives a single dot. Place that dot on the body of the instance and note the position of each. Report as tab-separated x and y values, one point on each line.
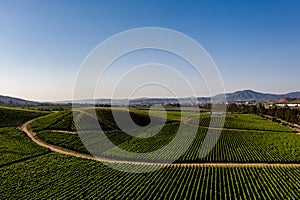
32	135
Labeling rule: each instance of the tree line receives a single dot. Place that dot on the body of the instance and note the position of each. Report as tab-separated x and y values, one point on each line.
284	113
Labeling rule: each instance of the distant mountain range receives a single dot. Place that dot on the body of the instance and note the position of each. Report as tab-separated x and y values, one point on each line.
249	95
239	96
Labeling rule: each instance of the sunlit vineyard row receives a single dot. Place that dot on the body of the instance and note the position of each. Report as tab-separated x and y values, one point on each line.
54	176
233	146
15	117
248	146
241	121
15	146
62	120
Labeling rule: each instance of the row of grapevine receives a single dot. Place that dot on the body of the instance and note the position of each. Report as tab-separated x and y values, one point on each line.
242	121
73	141
14	117
55	121
59	177
232	146
64	120
15	146
248	146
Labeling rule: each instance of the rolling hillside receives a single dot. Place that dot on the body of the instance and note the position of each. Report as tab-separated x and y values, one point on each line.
15	102
249	95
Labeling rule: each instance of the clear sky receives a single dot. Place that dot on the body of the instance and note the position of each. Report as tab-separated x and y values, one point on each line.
255	44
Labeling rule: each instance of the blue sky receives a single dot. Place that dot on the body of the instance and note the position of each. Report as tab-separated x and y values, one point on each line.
255	44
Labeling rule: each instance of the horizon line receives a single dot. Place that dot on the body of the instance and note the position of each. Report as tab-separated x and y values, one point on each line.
107	98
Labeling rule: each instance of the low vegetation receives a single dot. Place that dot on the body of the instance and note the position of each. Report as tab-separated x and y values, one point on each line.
55	121
285	113
244	122
11	117
59	177
28	171
15	146
248	146
246	138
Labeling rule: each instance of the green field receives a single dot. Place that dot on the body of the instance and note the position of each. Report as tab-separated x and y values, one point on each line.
246	138
64	177
15	146
29	171
249	146
244	122
11	117
55	121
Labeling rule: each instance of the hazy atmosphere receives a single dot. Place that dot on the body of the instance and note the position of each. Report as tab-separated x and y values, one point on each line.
255	44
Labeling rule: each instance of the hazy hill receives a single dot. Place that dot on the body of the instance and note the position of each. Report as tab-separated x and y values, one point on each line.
245	95
249	95
15	102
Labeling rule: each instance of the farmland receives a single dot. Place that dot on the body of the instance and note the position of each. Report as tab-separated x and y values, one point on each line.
15	146
11	117
243	121
55	121
246	138
30	171
60	177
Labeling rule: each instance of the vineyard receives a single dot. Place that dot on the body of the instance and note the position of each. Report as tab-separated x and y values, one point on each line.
242	121
55	121
232	146
10	117
60	177
65	140
64	120
248	146
253	139
15	146
29	171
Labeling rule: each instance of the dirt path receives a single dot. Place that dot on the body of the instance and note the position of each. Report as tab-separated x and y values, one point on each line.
32	135
62	131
